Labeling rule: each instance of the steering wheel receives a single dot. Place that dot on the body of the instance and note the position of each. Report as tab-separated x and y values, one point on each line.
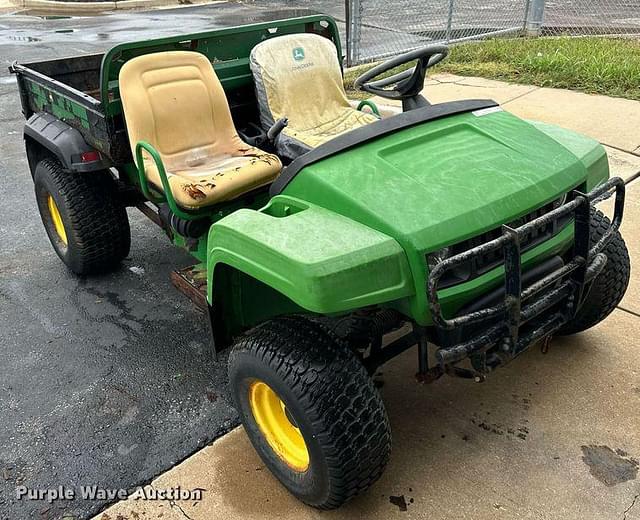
408	83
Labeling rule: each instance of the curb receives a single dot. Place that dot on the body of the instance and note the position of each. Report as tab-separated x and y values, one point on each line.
99	6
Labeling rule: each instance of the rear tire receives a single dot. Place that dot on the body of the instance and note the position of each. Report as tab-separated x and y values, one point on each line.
326	396
609	286
86	223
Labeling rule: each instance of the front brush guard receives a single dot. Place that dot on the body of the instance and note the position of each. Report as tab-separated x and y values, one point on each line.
562	289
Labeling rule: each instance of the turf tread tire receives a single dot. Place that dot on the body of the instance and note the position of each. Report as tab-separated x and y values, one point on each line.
96	223
343	410
609	286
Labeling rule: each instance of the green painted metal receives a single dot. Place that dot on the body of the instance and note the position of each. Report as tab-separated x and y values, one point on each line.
322	261
442	182
43	95
61	107
370	104
167	196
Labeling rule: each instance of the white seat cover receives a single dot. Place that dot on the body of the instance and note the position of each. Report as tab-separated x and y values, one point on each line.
298	76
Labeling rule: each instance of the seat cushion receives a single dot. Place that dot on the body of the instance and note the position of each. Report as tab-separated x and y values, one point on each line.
298	76
344	120
218	178
174	101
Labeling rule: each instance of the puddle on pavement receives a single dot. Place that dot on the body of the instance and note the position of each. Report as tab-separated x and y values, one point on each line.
50	17
44	14
53	16
24	38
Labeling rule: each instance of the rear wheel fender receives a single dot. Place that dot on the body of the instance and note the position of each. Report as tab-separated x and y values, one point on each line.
46	136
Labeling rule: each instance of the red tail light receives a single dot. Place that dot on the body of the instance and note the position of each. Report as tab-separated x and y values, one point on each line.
90	156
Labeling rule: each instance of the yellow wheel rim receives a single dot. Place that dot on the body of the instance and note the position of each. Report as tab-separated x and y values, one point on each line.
277	426
57	219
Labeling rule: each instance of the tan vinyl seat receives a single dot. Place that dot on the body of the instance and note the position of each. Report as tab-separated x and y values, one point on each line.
298	76
174	101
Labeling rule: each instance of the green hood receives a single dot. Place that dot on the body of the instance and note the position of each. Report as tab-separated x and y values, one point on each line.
449	179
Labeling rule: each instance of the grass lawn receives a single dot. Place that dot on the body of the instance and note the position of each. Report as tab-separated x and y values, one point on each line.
609	66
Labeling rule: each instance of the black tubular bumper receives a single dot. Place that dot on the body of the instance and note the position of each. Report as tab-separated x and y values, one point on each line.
524	315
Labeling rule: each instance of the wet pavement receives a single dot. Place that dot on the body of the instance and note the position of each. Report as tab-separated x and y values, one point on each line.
31	38
106	380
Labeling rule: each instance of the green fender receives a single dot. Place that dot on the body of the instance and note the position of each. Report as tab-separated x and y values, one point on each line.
292	255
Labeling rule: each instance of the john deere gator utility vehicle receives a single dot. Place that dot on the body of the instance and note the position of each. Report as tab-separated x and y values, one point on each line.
318	227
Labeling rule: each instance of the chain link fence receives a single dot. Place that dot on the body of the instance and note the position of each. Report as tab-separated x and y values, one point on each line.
376	29
591	17
380	28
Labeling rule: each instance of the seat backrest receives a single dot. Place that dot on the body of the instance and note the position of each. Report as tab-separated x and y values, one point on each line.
175	101
298	76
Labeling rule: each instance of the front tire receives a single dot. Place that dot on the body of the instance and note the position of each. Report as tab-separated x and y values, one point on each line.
609	286
310	410
87	225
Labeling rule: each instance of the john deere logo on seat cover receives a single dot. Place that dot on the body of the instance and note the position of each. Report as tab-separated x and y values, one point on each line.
298	54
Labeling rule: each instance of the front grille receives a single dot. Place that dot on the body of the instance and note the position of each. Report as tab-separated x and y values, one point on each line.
483	263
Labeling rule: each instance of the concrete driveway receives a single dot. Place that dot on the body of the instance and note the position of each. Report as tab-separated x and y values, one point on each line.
553	436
